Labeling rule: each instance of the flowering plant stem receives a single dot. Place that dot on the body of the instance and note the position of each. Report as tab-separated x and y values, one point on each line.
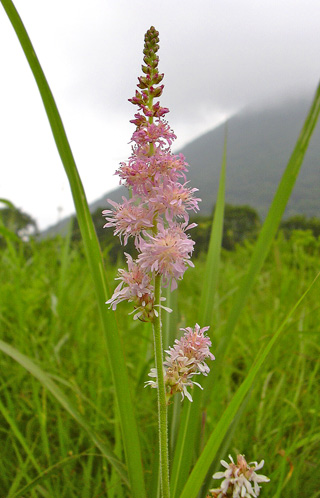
162	404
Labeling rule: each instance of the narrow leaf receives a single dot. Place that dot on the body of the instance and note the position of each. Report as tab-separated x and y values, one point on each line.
190	417
16	432
271	223
46	473
59	395
211	275
202	466
187	438
114	348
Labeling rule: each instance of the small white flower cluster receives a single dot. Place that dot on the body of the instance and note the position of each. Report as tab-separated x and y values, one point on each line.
240	479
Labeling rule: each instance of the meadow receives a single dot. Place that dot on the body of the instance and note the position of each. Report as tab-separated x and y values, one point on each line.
76	418
48	312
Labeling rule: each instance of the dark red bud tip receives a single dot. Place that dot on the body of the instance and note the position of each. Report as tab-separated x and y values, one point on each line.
145	69
145	97
139	120
159	111
147	112
156	92
142	82
157	78
137	99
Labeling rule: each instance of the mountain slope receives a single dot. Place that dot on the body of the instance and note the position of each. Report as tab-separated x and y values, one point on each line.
259	145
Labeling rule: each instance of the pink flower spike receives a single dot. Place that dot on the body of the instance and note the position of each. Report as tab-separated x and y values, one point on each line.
194	345
135	286
174	200
157	215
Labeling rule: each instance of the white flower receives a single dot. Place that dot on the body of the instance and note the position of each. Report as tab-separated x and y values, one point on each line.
241	479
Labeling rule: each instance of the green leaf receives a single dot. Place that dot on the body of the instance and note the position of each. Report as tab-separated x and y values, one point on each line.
211	275
7	203
271	223
114	349
202	466
187	436
46	473
8	234
16	432
59	395
190	417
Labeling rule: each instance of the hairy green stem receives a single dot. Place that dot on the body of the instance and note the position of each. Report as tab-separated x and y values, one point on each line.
162	404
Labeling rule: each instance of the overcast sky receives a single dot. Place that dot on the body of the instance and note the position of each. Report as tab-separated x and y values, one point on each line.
217	55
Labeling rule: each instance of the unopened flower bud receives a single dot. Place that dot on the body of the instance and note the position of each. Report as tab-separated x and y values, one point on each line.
156	92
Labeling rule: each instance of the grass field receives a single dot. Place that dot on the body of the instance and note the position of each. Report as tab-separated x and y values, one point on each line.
48	312
76	420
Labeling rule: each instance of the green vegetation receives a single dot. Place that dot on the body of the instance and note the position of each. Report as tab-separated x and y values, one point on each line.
15	223
48	312
85	391
241	224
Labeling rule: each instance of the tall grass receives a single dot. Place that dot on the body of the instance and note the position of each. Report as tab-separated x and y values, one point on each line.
44	447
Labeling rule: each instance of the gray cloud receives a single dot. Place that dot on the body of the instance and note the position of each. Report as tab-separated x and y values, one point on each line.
217	56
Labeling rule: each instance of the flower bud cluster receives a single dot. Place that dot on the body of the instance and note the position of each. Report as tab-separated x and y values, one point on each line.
183	361
240	479
157	214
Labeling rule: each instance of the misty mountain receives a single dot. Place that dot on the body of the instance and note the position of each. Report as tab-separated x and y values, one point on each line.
259	144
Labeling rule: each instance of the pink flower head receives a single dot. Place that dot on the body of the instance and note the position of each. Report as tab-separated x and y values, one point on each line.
135	286
157	133
193	346
128	219
174	200
167	253
240	479
144	172
184	360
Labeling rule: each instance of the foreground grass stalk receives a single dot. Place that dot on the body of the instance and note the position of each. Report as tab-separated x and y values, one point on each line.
93	254
162	403
188	432
197	476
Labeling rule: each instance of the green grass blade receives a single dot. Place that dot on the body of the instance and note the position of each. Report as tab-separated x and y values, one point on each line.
7	203
191	411
48	383
16	432
271	223
114	348
46	473
187	436
211	274
225	444
202	465
8	235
